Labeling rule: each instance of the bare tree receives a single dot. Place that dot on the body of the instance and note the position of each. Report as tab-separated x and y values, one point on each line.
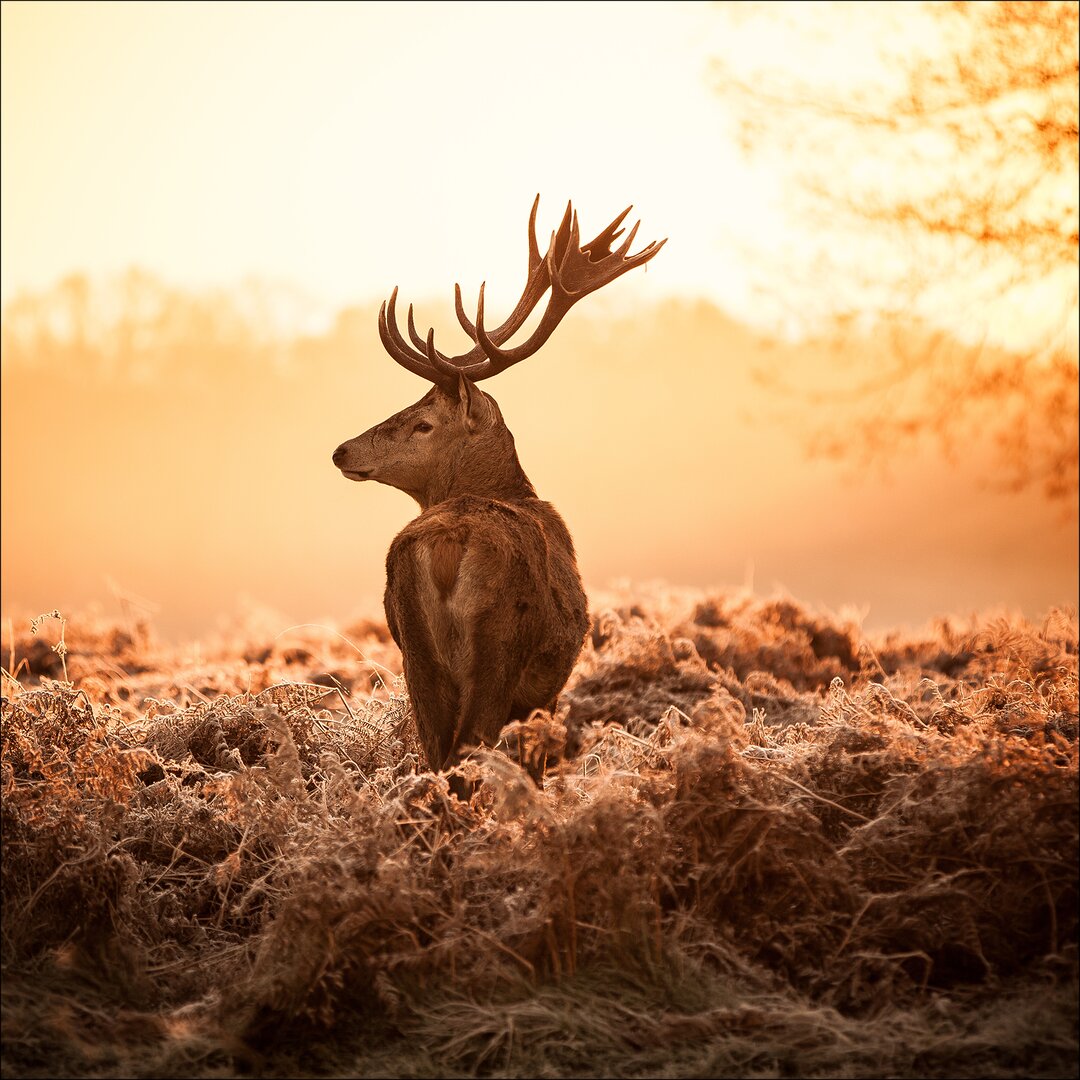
944	194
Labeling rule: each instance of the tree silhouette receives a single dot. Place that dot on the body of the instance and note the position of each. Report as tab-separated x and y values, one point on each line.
943	192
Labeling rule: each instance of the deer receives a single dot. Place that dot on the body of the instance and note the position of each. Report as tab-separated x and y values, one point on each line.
483	594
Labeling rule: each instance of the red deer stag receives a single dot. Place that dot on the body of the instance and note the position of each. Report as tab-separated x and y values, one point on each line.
483	594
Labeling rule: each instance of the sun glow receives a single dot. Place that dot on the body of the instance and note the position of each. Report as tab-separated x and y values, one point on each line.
351	147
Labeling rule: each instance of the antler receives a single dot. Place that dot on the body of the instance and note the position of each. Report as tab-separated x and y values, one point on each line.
570	269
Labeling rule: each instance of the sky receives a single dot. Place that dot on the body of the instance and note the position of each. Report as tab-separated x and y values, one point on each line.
351	147
346	148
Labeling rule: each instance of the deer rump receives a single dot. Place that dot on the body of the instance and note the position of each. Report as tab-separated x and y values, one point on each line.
484	600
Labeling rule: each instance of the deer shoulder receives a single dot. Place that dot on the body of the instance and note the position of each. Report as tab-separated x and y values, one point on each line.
474	558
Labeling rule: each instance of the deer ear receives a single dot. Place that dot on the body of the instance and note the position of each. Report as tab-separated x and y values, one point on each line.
471	403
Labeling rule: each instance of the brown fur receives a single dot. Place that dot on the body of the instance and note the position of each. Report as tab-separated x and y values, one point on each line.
483	594
446	553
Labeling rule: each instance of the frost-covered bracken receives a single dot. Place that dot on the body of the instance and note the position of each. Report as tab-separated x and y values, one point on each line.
768	844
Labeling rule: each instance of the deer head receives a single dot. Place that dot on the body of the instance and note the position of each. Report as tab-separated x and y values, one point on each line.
453	441
445	444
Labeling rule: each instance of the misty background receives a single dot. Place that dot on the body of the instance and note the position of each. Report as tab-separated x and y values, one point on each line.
851	374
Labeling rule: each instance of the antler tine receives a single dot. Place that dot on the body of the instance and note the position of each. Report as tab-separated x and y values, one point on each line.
534	250
601	245
399	349
439	362
487	368
389	322
565	232
624	247
462	318
575	240
630	262
400	355
570	245
647	252
477	370
414	336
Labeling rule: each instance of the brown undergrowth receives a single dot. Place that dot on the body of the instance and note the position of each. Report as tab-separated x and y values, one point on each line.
767	846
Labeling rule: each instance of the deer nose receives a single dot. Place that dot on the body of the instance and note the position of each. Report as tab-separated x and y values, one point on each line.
339	455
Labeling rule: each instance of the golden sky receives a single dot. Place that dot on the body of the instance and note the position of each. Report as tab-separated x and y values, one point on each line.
349	147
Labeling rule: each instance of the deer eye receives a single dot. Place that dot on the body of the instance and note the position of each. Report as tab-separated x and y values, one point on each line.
422	426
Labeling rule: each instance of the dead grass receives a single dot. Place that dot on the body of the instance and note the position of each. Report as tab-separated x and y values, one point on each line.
768	847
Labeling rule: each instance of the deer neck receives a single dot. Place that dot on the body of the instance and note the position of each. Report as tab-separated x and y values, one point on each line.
482	466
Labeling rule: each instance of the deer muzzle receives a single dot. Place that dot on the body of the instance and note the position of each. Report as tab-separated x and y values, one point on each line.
351	470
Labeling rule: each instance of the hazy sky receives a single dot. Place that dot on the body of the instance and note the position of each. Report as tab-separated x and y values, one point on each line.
352	147
346	148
